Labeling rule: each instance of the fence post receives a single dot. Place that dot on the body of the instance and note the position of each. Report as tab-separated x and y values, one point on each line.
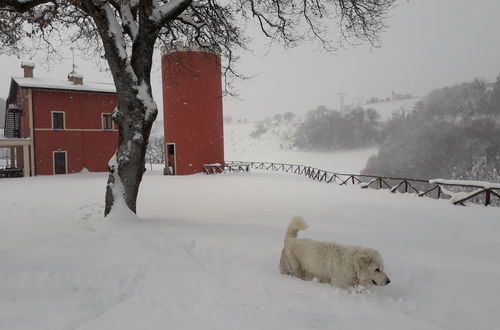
487	200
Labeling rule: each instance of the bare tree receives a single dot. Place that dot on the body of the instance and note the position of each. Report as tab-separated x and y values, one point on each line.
156	150
127	32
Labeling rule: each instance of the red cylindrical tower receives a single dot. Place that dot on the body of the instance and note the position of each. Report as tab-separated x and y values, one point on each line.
192	111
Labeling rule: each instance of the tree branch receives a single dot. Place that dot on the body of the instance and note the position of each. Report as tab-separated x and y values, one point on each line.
21	6
129	23
162	14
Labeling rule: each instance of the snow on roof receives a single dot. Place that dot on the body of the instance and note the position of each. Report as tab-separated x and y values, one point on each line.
75	75
48	83
28	64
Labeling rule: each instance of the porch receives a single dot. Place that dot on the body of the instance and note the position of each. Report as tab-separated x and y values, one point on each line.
15	158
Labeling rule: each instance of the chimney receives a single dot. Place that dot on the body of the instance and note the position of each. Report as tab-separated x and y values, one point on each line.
75	78
28	69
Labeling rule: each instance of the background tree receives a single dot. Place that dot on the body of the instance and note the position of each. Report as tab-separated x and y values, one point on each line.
452	133
329	130
155	153
127	31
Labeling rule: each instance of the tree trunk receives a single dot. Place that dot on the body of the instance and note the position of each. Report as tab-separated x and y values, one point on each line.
128	165
136	109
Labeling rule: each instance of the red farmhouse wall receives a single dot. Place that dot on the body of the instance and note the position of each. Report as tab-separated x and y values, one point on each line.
83	138
22	100
192	106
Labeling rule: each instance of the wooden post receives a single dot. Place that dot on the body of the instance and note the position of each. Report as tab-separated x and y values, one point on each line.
26	161
19	157
487	200
12	157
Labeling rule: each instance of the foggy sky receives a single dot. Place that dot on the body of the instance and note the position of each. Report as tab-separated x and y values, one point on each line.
429	44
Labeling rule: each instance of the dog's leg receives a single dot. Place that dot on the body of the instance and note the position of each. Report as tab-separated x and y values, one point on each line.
301	272
341	283
294	267
284	266
307	277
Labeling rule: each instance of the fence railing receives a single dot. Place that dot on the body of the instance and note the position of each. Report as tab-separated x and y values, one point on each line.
485	193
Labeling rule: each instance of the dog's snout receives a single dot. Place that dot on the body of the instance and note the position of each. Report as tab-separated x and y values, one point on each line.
387	281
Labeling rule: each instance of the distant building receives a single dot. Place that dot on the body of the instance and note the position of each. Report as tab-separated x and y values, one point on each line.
398	97
59	126
192	107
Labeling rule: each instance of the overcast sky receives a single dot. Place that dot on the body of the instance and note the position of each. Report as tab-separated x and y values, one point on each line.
429	44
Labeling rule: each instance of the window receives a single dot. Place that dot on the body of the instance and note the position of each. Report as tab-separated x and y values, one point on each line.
107	122
57	120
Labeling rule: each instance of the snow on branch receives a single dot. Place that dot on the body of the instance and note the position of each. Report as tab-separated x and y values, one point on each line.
22	5
149	103
128	22
162	13
189	20
115	31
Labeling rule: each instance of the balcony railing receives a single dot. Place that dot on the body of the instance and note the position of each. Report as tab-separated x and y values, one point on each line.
13	122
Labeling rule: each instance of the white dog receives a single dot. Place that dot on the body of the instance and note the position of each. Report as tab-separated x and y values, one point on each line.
342	266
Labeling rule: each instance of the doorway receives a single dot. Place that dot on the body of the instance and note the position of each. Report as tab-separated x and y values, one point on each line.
170	159
60	162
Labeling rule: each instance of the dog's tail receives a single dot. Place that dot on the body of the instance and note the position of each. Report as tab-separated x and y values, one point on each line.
295	225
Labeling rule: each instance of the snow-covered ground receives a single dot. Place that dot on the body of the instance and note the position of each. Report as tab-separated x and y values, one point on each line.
204	254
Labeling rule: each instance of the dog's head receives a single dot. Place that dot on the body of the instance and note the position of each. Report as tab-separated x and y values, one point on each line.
370	269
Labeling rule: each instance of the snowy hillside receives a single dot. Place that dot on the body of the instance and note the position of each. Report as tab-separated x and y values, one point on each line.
271	146
256	137
271	140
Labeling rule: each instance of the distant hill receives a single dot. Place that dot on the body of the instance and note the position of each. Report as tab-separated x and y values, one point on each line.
453	133
257	138
321	129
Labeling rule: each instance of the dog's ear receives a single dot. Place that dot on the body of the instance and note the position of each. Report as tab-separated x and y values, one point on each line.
362	262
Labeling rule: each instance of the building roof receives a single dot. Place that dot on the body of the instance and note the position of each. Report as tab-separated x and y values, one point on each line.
47	83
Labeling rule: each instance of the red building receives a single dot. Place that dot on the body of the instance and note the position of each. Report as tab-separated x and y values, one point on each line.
192	108
59	126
